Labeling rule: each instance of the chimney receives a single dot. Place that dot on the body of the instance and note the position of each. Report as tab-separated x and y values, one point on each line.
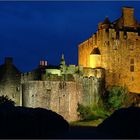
8	60
43	63
128	17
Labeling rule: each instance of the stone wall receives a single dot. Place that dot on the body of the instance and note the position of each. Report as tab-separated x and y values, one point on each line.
59	96
93	87
63	96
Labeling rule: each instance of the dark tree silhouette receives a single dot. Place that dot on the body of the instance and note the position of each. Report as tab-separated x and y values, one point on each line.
6	100
23	122
123	123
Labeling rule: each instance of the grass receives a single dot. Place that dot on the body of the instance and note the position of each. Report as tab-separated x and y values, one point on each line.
87	123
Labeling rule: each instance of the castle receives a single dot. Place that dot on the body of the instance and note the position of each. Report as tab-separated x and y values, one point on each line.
116	48
109	57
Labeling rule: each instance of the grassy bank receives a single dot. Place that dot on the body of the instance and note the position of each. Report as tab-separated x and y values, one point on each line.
87	123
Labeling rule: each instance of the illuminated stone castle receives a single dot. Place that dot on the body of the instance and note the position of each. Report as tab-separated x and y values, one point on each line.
116	48
61	88
109	57
58	88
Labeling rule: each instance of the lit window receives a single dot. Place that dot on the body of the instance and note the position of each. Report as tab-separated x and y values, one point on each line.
132	68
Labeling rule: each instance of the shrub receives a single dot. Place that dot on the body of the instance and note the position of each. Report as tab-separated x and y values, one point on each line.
117	97
92	112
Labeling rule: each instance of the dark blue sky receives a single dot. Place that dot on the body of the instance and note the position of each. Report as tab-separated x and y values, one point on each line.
32	31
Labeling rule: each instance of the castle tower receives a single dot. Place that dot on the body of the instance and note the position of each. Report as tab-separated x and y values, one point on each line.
119	46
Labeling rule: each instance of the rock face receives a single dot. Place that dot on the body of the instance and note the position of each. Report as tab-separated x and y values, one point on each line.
22	122
124	123
10	78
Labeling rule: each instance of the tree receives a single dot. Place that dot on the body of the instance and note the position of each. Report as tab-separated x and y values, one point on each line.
117	97
6	100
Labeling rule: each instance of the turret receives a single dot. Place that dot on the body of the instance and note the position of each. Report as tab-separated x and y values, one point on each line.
62	62
105	24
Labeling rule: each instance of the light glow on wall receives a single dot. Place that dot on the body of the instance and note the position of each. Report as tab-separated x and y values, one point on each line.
95	60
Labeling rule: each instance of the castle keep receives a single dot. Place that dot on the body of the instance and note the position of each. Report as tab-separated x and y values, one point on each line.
110	57
116	48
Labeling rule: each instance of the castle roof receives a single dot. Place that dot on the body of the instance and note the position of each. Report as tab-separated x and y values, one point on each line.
8	70
95	51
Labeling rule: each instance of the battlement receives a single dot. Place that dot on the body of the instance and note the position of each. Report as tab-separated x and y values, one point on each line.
28	76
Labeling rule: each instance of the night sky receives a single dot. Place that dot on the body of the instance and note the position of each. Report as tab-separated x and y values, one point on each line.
34	31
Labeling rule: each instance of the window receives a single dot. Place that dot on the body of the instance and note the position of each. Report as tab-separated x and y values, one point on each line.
132	78
131	61
132	68
130	44
17	89
125	35
119	76
117	35
116	44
